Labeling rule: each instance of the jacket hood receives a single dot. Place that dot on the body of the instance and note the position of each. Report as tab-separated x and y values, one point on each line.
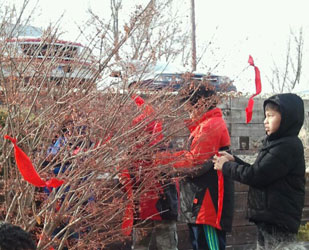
291	107
216	112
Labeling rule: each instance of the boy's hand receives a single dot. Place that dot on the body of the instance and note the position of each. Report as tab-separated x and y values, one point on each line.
220	160
227	155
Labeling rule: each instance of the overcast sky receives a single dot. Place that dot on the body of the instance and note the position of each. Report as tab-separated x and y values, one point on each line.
237	28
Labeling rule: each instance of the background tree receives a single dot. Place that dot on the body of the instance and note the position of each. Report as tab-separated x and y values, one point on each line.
159	37
49	96
285	77
115	7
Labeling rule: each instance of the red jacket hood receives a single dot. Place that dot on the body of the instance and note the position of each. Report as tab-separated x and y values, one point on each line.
216	112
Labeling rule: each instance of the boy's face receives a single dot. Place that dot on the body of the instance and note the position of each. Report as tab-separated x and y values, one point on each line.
272	121
194	111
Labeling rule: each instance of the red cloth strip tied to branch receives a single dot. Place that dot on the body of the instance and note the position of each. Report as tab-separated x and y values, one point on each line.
128	218
28	171
258	87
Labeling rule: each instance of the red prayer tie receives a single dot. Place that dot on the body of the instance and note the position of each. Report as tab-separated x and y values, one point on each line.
138	100
128	217
28	171
258	87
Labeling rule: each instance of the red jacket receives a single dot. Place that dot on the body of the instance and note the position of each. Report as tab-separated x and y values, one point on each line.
204	194
208	135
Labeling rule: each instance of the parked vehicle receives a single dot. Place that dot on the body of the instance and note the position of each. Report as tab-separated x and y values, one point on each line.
28	48
169	77
175	81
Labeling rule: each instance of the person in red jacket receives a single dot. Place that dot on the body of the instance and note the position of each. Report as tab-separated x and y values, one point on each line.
154	201
206	196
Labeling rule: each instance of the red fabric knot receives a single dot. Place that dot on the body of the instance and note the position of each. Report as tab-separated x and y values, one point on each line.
13	140
138	100
128	217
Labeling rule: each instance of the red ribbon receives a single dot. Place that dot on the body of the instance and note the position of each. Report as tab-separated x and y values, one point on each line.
258	87
28	171
128	217
220	197
138	100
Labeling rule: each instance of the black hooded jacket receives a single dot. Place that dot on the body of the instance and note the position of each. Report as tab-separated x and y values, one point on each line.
277	177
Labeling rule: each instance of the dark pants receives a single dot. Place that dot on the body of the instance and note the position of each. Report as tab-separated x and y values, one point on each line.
273	237
198	238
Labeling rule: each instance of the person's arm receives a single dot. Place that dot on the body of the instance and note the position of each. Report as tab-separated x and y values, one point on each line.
238	160
198	154
192	172
179	159
206	145
263	172
202	169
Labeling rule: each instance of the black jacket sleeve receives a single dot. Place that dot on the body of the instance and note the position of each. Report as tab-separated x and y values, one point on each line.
195	171
267	169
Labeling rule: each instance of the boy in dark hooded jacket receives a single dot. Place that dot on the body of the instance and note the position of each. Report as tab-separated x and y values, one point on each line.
277	178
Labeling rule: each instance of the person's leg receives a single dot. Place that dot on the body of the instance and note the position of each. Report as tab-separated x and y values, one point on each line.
222	239
142	235
197	237
260	245
289	243
271	237
166	235
279	239
212	238
193	232
269	240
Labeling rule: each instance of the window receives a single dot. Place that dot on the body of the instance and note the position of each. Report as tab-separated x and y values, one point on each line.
244	142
